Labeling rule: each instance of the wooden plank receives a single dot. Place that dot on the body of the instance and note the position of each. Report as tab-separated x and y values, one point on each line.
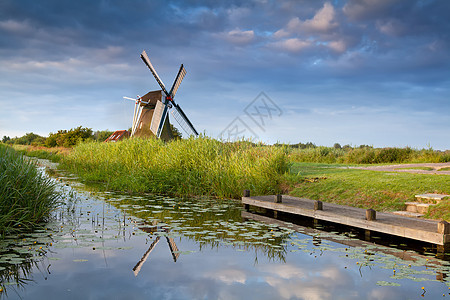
417	229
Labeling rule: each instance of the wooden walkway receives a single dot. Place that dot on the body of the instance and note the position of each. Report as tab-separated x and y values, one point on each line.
430	231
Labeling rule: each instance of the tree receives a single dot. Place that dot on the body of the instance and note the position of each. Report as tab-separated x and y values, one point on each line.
176	133
337	146
102	135
64	138
28	139
5	139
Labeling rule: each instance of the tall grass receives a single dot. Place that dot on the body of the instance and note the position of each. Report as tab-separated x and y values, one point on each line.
201	166
368	155
26	195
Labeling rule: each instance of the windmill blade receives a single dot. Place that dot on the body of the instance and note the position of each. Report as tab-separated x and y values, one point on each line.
159	117
136	119
138	266
183	121
177	82
173	248
146	61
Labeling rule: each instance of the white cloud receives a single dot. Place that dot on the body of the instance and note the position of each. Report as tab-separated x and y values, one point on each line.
323	21
281	34
240	37
292	45
338	46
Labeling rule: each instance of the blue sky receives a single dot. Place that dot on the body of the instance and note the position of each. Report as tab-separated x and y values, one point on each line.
373	72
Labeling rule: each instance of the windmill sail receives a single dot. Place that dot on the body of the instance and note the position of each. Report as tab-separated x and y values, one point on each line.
177	82
159	117
146	60
173	249
183	121
138	266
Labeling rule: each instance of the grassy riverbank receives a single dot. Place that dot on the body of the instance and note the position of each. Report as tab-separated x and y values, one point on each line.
201	166
26	196
385	191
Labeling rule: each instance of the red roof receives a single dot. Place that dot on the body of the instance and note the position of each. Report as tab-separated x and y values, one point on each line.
118	135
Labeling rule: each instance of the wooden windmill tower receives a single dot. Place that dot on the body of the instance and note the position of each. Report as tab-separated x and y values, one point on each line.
151	110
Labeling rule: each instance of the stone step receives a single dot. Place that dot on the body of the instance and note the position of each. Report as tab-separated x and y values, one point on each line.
435	198
417	207
408	214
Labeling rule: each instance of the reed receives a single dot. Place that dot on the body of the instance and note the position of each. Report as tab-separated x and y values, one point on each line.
200	166
27	196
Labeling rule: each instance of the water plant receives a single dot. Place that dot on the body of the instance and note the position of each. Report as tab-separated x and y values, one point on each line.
27	196
201	166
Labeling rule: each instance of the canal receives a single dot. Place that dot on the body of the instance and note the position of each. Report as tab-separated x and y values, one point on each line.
105	245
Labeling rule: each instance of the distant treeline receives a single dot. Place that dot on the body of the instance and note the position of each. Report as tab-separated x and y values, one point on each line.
367	155
62	138
68	138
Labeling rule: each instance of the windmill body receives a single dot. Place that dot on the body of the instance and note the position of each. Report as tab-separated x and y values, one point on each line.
151	110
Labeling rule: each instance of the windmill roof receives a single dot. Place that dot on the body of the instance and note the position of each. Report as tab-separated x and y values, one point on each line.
152	97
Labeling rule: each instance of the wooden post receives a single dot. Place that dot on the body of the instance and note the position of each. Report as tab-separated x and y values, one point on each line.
318	205
367	235
371	215
246	194
443	227
275	214
278	198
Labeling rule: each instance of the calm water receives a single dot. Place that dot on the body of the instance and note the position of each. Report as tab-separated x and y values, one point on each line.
117	246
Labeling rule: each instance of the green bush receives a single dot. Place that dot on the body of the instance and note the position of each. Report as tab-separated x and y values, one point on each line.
27	139
64	138
27	196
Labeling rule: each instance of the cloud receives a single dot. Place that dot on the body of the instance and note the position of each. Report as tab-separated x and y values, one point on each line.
367	9
323	21
391	27
15	27
239	37
293	45
338	46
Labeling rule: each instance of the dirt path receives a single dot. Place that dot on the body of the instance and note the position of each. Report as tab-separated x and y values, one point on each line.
407	168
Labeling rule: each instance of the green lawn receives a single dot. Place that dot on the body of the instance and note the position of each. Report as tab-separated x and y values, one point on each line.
383	191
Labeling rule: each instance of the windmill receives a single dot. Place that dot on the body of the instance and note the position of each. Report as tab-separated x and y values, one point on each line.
151	110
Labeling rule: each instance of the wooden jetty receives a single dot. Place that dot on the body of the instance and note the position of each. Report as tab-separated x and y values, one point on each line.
430	231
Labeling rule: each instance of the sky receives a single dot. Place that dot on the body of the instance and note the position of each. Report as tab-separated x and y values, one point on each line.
372	72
